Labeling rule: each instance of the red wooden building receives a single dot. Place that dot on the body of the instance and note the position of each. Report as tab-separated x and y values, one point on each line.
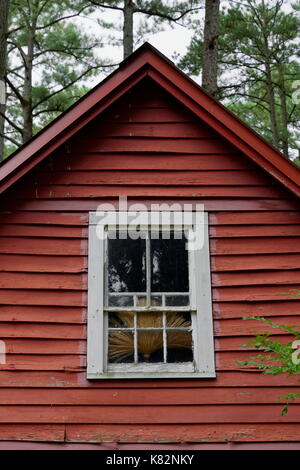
149	133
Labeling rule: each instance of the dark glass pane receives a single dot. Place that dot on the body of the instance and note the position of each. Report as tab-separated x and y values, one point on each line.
169	261
121	320
178	320
150	346
177	300
126	265
120	346
179	346
120	301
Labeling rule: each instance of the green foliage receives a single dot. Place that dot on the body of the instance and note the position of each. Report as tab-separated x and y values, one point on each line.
276	356
50	61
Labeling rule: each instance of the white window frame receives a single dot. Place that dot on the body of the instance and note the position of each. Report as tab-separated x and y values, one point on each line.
201	304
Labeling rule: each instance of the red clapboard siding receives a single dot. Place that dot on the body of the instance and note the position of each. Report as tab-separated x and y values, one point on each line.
255	218
44	218
168	433
53	331
72	379
44	346
228	231
140	129
43	264
151	433
41	362
53	281
33	314
79	205
96	191
149	148
142	397
255	293
239	327
259	309
154	178
247	279
153	115
139	161
255	263
137	144
43	246
42	231
40	297
32	432
255	245
146	414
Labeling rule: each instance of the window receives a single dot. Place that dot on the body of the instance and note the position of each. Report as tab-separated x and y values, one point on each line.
149	297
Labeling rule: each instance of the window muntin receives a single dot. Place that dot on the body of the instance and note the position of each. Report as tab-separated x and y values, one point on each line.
197	301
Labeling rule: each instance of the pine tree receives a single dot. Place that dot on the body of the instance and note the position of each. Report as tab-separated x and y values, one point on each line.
210	47
4	8
258	62
172	11
48	58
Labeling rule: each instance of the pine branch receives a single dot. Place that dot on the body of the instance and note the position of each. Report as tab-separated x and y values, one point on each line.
103	5
11	139
65	87
63	18
15	90
11	123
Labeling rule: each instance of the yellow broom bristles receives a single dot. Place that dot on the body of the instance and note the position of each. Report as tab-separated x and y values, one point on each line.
121	343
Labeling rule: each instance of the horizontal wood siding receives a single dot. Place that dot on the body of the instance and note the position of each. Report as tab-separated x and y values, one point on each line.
150	149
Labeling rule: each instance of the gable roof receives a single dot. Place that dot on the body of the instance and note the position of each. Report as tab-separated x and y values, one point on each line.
148	61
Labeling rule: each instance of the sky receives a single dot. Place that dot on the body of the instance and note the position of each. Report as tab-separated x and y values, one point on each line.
169	41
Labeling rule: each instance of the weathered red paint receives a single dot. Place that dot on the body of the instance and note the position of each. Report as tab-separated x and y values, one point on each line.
155	141
12	445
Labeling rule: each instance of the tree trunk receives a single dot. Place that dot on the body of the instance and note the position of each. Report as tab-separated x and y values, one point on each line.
4	6
210	47
128	11
27	87
271	102
283	112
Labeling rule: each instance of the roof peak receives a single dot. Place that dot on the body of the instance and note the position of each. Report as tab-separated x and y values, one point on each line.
147	61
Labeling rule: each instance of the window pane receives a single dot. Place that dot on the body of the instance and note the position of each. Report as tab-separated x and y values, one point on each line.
179	346
121	320
178	320
120	301
150	346
120	346
141	300
149	320
169	261
126	265
156	301
177	300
